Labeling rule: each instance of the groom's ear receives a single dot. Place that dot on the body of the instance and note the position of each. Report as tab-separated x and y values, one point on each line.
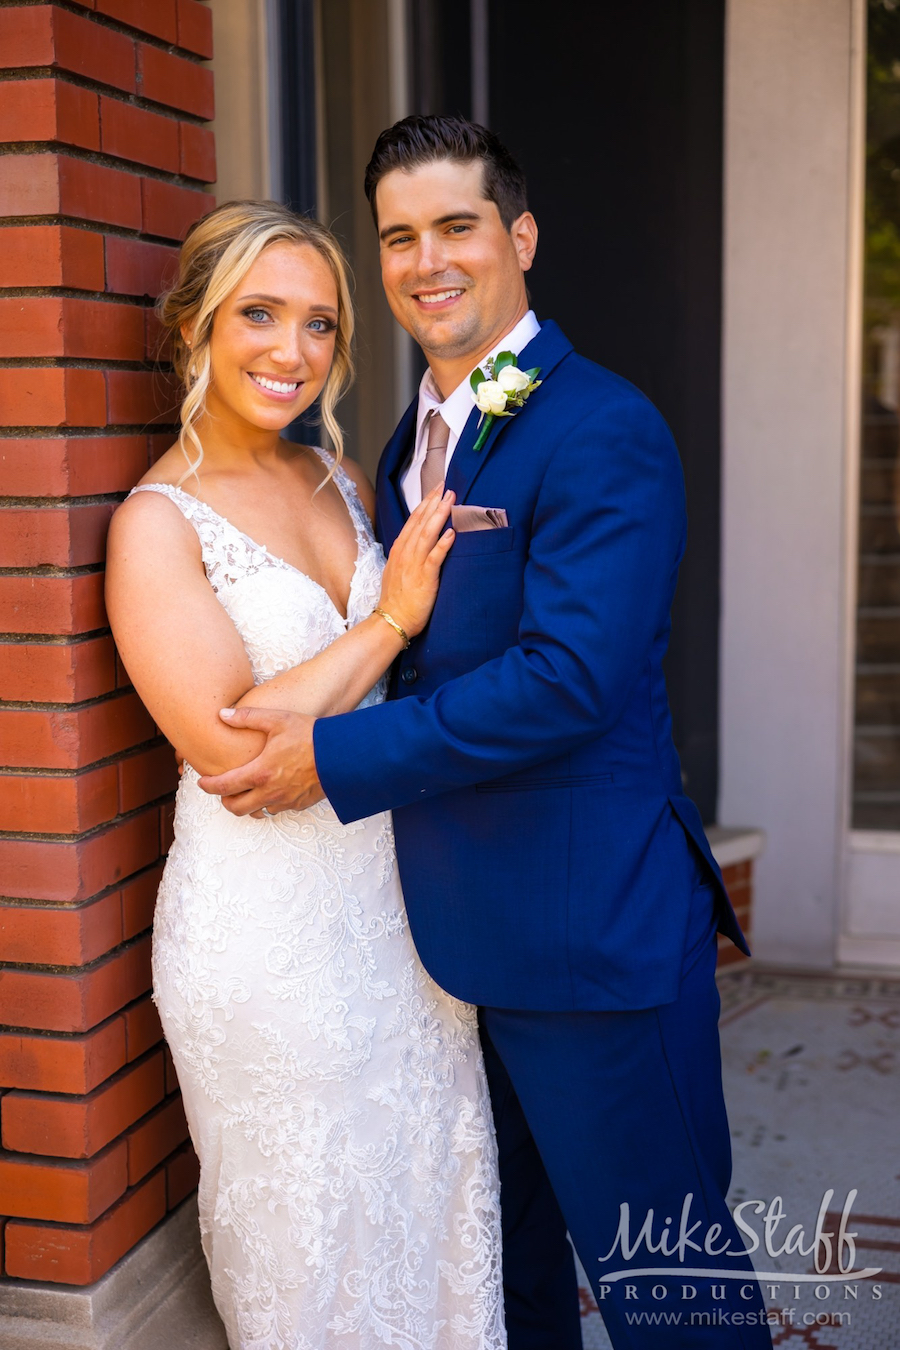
524	235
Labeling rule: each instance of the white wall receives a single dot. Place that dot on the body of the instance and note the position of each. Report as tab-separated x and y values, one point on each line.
788	227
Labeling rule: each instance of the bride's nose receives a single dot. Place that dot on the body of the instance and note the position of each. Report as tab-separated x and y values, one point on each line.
288	348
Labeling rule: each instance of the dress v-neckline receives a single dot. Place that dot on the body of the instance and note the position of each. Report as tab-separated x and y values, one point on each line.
282	562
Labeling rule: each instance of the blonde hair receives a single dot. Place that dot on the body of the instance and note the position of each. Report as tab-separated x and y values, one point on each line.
217	253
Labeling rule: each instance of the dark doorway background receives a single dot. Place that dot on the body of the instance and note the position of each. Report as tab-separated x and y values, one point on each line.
615	113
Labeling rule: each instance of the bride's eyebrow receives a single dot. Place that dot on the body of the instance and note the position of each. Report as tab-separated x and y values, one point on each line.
277	300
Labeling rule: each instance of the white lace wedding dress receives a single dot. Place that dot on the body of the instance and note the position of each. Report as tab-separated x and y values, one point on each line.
335	1095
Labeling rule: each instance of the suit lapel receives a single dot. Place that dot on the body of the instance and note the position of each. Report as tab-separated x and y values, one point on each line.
546	350
391	511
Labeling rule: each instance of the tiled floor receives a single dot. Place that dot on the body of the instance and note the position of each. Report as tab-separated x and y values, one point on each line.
812	1079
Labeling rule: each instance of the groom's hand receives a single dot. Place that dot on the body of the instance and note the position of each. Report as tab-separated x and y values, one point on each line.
282	777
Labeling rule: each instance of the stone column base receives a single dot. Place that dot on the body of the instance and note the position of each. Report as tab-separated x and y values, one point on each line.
156	1298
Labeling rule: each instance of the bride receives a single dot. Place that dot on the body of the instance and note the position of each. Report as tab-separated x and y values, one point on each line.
335	1095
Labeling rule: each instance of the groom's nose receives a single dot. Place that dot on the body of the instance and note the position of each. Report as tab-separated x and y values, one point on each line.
432	254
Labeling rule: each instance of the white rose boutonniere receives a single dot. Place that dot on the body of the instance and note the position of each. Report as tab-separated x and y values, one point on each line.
501	392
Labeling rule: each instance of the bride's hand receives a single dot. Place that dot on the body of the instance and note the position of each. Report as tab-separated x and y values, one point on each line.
409	585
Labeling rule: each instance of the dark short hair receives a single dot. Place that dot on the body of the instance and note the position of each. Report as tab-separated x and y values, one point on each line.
419	140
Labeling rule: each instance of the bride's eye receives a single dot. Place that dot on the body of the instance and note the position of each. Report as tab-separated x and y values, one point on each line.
256	314
322	325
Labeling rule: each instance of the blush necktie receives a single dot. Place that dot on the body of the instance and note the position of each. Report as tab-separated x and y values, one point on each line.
435	461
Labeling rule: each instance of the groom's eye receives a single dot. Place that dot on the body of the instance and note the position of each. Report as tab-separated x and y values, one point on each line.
460	229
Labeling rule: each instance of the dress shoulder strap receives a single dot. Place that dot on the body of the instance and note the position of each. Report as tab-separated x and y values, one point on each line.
347	488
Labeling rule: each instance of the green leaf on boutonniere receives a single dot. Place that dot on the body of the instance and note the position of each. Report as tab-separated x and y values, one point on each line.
533	373
502	360
476	378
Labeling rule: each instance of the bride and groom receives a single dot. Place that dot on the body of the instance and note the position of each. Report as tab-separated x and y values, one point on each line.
492	699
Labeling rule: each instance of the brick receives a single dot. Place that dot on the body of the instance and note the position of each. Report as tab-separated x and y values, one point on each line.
154	1138
68	1064
142	1029
51	255
142	397
135	267
51	604
166	827
169	210
50	184
157	342
54	536
71	466
171	1075
72	936
29	184
146	776
182	1176
49	110
175	81
52	672
97	328
148	16
195	32
159	444
73	737
49	397
48	325
94	192
79	1256
56	805
75	1001
135	134
139	902
79	1127
26	37
729	955
67	872
197	152
71	1192
89	49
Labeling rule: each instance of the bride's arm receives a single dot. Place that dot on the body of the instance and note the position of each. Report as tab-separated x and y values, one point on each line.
186	658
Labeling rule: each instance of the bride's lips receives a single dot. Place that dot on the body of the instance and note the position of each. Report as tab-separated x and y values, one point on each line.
431	302
285	393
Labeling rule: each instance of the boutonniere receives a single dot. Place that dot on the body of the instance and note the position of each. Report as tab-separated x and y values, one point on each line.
501	392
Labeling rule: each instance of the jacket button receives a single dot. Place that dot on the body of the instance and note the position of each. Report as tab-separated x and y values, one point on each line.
410	675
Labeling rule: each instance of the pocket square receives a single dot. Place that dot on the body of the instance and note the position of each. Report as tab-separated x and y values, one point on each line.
478	518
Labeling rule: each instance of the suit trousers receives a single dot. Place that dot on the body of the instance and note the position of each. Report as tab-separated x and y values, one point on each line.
596	1109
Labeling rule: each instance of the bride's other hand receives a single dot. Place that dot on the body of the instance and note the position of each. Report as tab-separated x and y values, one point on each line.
409	585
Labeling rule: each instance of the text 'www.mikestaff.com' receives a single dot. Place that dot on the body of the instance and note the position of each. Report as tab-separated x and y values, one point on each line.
722	1317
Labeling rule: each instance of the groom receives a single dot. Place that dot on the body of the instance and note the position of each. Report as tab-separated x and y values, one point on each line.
554	872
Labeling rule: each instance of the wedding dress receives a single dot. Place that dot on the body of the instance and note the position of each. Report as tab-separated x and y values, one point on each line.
336	1096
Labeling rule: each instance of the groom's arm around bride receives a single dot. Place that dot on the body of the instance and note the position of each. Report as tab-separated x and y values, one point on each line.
553	869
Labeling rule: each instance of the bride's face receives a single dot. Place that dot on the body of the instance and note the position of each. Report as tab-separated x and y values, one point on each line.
272	339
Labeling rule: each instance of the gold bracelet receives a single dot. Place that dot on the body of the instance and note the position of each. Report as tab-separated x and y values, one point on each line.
401	632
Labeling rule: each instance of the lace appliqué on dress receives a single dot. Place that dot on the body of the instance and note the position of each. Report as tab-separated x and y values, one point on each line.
335	1095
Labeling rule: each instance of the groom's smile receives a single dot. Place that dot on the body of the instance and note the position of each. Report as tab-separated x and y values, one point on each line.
452	272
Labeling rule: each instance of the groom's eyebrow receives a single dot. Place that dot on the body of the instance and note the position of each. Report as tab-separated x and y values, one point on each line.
441	220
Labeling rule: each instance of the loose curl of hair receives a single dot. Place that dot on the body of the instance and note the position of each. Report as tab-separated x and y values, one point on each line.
216	255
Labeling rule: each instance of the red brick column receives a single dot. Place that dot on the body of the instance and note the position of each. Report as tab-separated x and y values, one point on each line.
102	105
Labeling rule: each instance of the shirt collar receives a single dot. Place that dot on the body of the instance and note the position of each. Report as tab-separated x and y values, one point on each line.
456	407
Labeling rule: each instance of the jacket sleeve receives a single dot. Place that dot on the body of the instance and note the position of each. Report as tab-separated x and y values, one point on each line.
607	537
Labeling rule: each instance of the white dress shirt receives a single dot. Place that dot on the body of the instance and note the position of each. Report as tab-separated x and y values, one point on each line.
455	408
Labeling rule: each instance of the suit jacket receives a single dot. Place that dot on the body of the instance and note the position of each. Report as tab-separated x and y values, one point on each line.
548	854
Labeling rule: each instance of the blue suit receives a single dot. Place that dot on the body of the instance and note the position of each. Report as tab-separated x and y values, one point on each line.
554	872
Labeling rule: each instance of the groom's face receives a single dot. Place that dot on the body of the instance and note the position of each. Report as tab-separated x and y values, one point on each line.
453	274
